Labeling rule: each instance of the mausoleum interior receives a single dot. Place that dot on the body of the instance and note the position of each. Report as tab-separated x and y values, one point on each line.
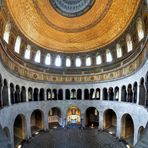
73	73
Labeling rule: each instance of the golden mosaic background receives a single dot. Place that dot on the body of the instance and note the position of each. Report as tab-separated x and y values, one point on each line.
102	24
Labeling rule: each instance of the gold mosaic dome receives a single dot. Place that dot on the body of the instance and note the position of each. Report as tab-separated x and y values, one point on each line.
92	26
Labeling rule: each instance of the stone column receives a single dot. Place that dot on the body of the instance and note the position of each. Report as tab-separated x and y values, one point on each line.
101	94
45	122
135	135
83	120
28	125
12	136
82	94
127	99
138	93
39	94
120	92
9	96
100	120
32	94
45	94
27	97
64	95
14	99
118	132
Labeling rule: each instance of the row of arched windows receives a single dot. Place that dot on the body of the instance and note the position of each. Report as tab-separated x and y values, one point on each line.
129	93
78	62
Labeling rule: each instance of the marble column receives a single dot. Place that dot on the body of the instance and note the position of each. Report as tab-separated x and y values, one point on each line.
27	96
100	120
45	94
138	92
135	135
28	125
64	95
101	94
120	92
9	96
118	131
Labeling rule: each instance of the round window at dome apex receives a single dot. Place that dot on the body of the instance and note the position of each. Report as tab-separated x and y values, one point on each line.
72	8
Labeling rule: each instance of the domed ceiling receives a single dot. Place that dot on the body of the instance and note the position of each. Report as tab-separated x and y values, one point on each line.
72	8
72	26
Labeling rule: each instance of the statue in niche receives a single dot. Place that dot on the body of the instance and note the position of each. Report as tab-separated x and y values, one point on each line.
97	94
49	94
73	94
117	95
29	95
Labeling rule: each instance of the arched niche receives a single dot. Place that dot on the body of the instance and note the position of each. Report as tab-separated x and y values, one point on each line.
5	93
23	94
92	117
67	94
36	94
41	95
60	94
142	92
54	117
105	94
19	129
79	94
123	93
127	128
37	118
73	117
110	121
17	94
12	93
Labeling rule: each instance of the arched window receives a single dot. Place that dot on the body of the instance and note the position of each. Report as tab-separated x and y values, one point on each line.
108	56
129	43
27	52
98	60
119	51
68	62
17	44
6	34
58	61
78	62
48	59
37	58
140	29
88	61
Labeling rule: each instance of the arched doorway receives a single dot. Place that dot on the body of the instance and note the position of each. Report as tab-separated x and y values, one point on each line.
19	129
140	132
36	121
92	117
73	117
110	121
127	130
54	117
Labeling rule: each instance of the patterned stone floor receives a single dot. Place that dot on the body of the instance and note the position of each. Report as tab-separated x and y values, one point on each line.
73	138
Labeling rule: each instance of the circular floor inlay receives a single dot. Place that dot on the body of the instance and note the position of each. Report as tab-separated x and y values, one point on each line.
72	8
